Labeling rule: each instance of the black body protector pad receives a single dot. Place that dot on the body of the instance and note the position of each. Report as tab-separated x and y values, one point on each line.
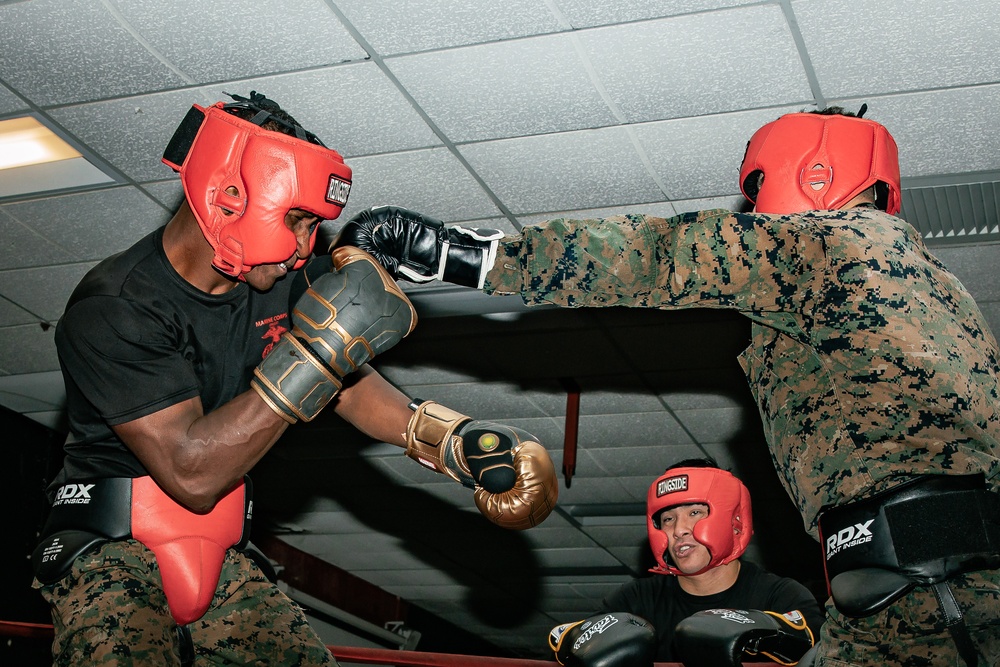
84	514
921	532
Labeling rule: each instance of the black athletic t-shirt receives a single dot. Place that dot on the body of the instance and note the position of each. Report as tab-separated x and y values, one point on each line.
660	600
137	338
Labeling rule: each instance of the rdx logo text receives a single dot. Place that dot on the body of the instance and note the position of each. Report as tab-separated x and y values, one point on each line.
849	537
73	494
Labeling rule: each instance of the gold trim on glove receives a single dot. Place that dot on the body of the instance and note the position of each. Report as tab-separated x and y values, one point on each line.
431	441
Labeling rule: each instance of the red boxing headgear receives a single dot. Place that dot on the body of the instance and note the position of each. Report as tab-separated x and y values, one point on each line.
816	161
725	532
271	172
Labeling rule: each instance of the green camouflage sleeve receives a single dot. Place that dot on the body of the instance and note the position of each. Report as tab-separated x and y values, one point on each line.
717	258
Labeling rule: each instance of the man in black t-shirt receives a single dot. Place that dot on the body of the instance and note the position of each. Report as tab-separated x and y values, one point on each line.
185	358
699	523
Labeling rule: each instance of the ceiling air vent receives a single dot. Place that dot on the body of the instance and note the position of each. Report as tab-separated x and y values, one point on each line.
946	214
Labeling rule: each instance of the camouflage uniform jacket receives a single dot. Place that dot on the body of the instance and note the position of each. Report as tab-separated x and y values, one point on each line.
869	361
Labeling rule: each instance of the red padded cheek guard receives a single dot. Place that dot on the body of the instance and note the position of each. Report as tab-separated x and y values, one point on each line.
725	532
272	174
855	153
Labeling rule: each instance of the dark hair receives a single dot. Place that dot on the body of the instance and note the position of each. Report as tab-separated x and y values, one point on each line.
707	462
841	111
260	110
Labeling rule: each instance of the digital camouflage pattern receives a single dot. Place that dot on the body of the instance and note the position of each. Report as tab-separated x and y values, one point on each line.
111	610
915	622
869	361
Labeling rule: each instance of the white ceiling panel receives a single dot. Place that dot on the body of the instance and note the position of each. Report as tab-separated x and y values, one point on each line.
22	245
11	315
589	13
27	349
128	216
64	51
692	65
530	86
36	291
9	102
943	131
405	26
32	392
873	48
700	157
353	108
131	133
432	181
248	38
558	172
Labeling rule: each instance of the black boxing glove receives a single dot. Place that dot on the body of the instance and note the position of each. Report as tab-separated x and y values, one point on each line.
340	318
419	248
614	639
720	637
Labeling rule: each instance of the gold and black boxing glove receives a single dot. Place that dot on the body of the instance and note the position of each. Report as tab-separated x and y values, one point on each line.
342	320
513	477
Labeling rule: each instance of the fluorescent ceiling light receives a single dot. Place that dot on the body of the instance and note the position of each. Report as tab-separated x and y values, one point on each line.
33	158
25	141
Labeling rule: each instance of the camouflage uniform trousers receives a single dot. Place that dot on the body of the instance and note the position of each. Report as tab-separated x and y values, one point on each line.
111	610
912	633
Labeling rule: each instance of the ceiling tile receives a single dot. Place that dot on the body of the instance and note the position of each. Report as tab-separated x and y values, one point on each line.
403	26
21	245
647	454
691	65
899	45
941	132
354	109
299	34
586	13
12	315
43	291
131	133
60	51
27	349
718	424
90	225
700	157
9	102
482	92
967	262
32	392
558	172
431	181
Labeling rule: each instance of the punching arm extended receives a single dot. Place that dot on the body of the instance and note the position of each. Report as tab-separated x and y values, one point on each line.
721	637
513	477
343	319
419	248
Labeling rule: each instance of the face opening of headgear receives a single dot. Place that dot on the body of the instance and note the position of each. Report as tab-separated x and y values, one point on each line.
820	161
241	179
725	532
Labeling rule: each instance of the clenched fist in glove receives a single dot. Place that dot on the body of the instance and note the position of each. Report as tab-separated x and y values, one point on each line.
615	639
720	637
513	477
419	248
345	317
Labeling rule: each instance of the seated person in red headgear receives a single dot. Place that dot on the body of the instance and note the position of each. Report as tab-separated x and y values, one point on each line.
703	605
